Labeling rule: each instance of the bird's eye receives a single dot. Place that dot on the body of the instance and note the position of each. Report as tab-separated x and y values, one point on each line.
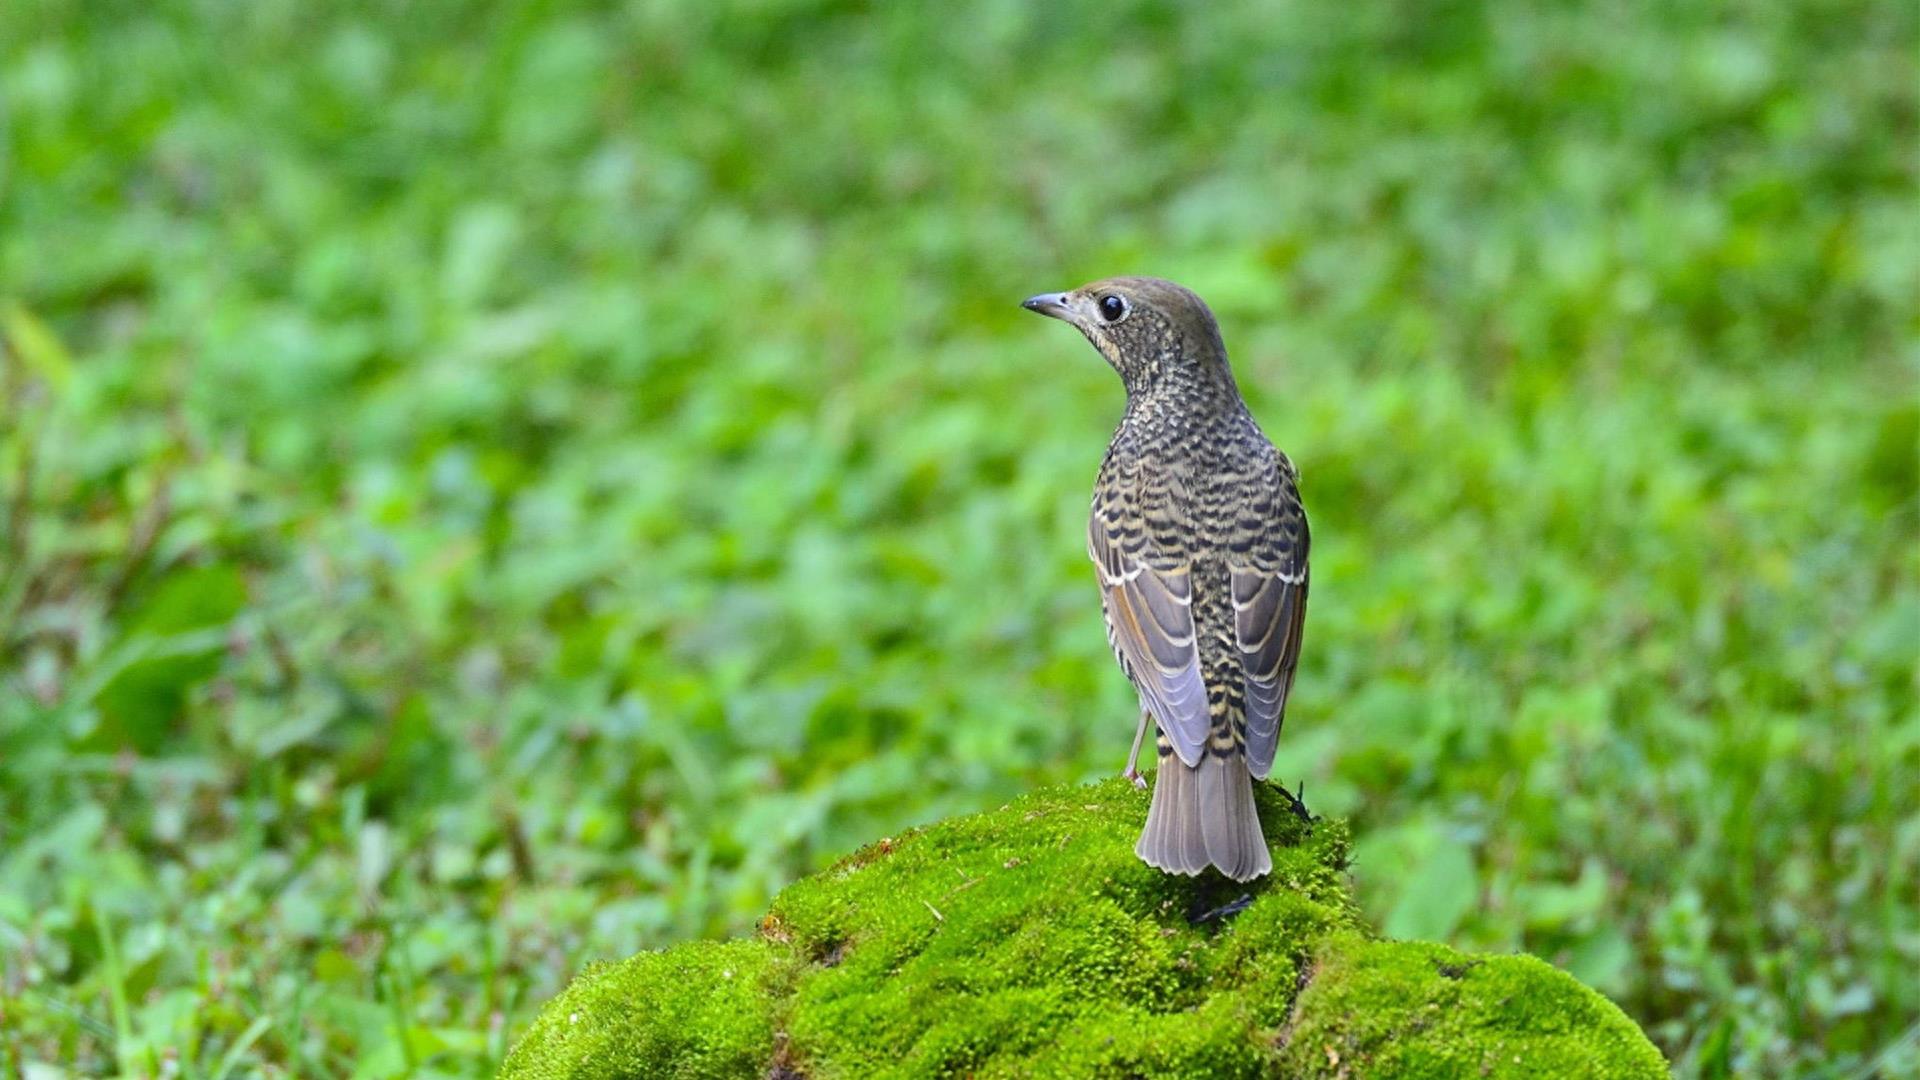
1112	308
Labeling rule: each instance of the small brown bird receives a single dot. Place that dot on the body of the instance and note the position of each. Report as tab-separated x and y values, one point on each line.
1200	542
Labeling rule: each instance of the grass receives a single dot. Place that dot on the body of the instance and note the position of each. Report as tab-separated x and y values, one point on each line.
484	488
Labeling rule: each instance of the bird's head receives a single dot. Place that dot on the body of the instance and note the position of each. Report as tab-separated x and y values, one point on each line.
1150	330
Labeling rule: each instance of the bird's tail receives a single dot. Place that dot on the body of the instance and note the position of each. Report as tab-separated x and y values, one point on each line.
1204	816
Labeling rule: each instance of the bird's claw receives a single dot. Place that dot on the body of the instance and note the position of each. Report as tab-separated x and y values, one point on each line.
1224	911
1295	804
1139	781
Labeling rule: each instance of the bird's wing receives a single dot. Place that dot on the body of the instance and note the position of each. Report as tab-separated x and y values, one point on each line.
1268	571
1148	595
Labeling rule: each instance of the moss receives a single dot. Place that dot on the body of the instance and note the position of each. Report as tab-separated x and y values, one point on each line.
1030	941
698	1010
1414	1009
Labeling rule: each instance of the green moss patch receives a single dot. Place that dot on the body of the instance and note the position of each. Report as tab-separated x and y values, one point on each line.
701	1009
1398	1008
1030	941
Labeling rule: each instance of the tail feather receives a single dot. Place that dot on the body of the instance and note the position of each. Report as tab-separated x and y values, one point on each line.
1172	839
1204	816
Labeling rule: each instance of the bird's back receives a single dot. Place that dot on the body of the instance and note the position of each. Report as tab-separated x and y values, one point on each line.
1205	489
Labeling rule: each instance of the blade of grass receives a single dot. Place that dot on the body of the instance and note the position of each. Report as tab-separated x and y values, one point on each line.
231	1059
116	993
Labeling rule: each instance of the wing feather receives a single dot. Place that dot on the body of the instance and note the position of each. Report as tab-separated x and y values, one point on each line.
1269	592
1149	611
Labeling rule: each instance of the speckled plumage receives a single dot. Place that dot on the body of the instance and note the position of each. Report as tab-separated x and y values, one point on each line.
1200	542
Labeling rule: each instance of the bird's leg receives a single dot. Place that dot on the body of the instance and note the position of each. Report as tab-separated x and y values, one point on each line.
1133	756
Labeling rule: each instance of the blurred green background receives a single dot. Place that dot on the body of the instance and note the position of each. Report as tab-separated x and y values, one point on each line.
488	487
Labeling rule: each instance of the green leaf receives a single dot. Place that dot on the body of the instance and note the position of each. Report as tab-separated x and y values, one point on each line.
1554	905
1603	960
35	343
1439	894
140	705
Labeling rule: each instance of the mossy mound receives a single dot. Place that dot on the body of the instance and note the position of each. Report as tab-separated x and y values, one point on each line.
1030	942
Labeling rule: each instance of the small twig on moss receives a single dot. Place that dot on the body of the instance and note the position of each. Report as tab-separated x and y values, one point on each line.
936	912
963	887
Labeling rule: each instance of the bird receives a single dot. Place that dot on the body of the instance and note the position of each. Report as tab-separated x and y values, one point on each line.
1199	539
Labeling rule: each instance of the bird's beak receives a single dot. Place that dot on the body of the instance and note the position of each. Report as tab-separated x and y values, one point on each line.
1052	304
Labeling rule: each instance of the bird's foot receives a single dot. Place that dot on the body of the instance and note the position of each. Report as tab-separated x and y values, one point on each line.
1139	780
1295	804
1225	911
